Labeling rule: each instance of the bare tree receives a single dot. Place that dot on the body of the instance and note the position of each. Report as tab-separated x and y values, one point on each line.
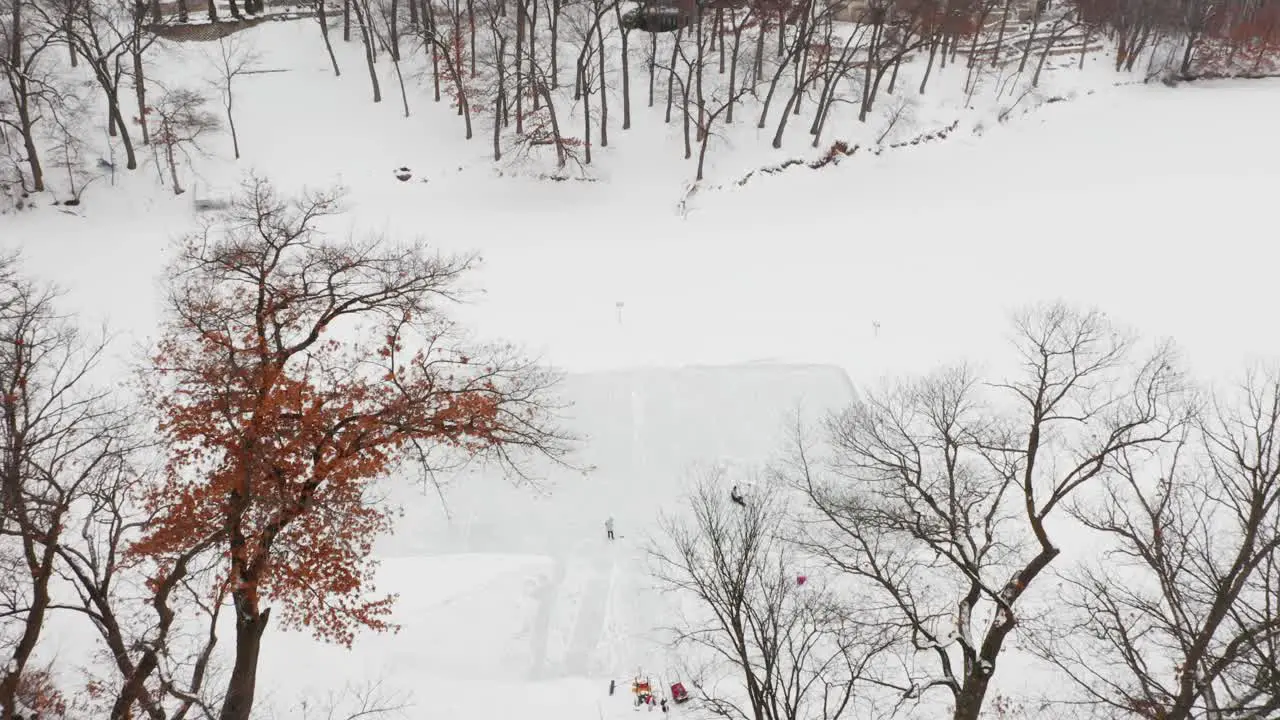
28	77
158	633
369	699
540	126
1064	24
425	395
232	59
1194	630
711	107
496	67
445	40
322	18
389	41
182	121
940	492
59	434
837	66
102	33
69	116
788	650
364	18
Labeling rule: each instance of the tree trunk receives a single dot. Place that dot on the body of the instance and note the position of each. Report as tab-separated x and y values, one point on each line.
717	37
782	32
404	95
684	97
471	27
361	17
1188	55
140	90
653	64
26	127
604	96
555	43
1031	37
464	103
1004	24
824	99
429	33
977	33
733	68
626	72
800	60
242	684
928	67
758	67
498	105
74	58
562	157
531	38
671	72
346	19
172	162
824	109
768	97
324	32
702	150
586	117
34	623
872	52
786	115
393	30
131	157
231	124
697	82
520	20
1044	55
893	77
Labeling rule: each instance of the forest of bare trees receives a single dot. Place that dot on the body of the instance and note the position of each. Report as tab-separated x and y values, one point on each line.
1093	511
557	77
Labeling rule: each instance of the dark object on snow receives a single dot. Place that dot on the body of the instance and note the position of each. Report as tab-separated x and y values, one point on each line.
404	174
655	17
678	693
802	579
664	704
736	496
612	684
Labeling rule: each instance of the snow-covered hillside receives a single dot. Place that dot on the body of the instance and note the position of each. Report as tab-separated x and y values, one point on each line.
514	602
1140	199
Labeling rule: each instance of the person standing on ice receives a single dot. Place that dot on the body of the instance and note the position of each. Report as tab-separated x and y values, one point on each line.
608	527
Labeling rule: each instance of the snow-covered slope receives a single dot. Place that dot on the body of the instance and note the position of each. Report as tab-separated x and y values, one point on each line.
1155	203
515	598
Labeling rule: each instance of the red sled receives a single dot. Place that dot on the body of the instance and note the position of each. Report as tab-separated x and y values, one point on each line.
678	693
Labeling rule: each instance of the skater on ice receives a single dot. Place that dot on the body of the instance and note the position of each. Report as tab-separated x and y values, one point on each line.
736	496
608	527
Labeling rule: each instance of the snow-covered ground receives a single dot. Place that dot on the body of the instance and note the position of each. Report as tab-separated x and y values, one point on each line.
514	602
1155	203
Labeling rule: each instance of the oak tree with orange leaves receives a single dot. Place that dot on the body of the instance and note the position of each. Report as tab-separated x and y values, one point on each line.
295	370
